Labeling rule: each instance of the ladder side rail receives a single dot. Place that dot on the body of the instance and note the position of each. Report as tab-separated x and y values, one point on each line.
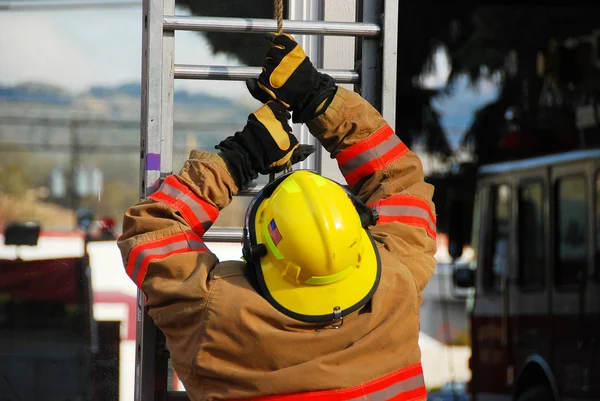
150	124
300	11
149	128
156	128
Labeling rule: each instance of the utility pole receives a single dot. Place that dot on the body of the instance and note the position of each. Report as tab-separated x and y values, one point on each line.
73	194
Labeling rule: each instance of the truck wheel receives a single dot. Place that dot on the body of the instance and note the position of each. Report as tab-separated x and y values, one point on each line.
536	393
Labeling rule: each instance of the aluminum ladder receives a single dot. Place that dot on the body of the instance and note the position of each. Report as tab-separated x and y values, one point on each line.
374	77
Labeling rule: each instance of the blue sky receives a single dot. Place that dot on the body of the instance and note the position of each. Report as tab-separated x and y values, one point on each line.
457	111
79	48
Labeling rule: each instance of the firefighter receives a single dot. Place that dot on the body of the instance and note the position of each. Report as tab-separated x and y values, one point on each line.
325	305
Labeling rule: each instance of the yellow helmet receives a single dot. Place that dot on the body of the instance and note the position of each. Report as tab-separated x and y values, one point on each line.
314	259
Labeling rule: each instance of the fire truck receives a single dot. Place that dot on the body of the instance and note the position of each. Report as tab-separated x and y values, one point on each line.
61	337
534	302
534	280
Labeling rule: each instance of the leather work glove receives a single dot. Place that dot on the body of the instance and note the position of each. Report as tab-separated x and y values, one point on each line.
289	77
266	145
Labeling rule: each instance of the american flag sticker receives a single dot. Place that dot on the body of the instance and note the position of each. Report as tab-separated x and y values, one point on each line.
274	232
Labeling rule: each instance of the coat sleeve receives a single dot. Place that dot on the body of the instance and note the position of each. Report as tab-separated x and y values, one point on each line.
386	175
162	247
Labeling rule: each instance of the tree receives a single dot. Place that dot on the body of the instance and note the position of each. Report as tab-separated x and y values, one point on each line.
248	48
494	34
479	40
416	119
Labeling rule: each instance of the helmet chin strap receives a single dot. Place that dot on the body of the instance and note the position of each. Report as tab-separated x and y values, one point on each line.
338	319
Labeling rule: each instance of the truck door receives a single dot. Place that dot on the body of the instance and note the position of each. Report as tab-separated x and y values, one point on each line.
529	298
489	314
571	256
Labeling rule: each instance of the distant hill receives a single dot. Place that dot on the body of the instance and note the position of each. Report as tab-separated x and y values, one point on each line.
35	92
181	96
51	94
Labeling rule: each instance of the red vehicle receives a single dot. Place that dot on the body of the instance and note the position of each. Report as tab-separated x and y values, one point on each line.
535	279
51	347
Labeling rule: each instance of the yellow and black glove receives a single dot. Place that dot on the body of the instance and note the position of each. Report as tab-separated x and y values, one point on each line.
289	77
265	145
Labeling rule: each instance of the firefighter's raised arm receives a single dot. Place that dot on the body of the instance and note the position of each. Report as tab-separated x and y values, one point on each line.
377	165
162	244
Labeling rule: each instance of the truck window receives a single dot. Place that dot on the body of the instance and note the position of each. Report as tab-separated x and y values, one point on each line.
497	260
531	236
571	211
597	213
476	231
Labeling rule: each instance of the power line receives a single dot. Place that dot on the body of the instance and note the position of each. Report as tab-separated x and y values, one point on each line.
42	147
62	5
73	124
125	124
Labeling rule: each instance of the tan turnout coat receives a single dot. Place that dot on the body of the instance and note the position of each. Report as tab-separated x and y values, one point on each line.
226	341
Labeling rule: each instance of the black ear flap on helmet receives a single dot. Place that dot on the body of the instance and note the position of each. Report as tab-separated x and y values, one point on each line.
368	216
252	252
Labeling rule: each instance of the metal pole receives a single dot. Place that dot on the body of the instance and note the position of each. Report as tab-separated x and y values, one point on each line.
235	73
258	25
217	234
307	10
102	123
368	55
168	101
74	200
64	5
390	62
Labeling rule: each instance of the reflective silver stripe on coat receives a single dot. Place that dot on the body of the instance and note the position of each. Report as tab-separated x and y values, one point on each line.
192	202
369	155
411	211
192	245
392	391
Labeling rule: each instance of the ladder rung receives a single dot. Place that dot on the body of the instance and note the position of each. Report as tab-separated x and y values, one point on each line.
217	234
238	73
227	234
259	25
251	191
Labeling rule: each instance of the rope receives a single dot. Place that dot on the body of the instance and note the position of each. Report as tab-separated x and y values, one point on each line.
278	15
